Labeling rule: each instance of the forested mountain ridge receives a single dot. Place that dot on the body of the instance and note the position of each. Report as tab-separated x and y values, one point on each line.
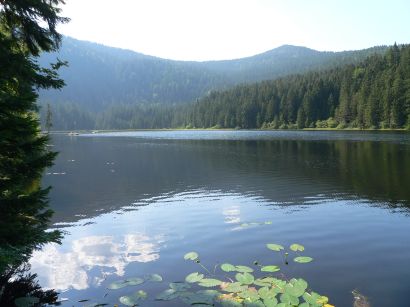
372	94
100	76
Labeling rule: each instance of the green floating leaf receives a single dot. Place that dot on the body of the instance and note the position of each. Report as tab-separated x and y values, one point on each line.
266	293
128	300
296	287
312	298
249	294
26	301
229	302
254	304
261	282
270	268
117	284
227	267
245	278
167	295
209	282
275	247
289	299
243	269
133	281
322	300
179	286
270	302
303	259
141	294
132	300
234	287
297	247
196	298
194	277
191	256
154	277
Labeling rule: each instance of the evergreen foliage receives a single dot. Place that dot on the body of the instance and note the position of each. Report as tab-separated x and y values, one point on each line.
372	94
26	29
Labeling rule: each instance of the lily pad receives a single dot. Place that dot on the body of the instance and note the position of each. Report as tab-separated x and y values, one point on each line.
197	299
210	282
254	304
266	293
249	294
297	247
233	287
133	281
179	286
303	259
243	269
154	277
275	247
227	267
245	278
194	277
191	256
270	268
270	302
128	300
117	284
289	299
132	300
167	295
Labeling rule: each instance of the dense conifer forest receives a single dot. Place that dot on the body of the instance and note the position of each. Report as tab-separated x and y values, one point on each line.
374	93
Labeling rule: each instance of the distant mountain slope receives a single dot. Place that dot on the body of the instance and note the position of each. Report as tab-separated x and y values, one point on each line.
100	76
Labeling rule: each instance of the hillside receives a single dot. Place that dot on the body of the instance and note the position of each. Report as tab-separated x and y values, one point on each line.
99	76
374	93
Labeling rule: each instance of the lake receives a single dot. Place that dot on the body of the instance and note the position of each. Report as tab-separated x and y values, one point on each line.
134	203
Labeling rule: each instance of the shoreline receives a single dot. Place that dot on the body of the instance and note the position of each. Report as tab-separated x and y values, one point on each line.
224	129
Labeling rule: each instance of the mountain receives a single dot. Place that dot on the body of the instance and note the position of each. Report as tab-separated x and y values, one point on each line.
373	94
99	76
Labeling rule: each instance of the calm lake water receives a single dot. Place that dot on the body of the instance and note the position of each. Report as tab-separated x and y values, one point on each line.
133	203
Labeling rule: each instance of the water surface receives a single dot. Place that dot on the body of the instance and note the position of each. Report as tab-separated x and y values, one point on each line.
134	203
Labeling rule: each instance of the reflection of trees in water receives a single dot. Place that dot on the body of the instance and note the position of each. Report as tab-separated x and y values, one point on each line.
279	171
24	284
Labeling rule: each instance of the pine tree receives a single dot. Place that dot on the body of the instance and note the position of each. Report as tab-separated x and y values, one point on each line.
26	29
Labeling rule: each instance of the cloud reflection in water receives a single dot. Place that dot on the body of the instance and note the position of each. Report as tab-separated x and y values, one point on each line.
64	270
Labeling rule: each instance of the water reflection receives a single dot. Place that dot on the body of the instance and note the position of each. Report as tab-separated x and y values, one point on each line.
278	171
63	270
232	215
335	196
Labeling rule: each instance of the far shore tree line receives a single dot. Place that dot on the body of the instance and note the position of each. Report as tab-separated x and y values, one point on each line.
374	94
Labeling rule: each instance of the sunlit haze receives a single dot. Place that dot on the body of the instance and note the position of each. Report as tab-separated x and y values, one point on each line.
226	29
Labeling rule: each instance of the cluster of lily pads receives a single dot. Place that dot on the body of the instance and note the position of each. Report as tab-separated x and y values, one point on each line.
232	285
134	298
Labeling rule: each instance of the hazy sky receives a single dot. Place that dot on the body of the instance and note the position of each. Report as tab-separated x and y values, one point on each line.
226	29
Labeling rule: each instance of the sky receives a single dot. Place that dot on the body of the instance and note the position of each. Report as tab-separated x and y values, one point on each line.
226	29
